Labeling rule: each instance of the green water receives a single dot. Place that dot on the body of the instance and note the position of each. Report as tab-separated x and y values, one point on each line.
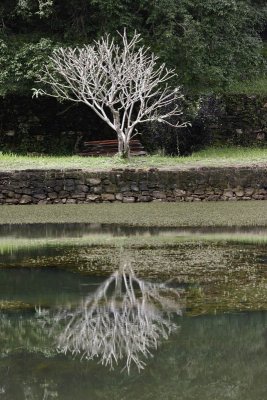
204	300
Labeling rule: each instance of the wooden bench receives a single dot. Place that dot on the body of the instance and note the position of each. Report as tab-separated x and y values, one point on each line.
110	148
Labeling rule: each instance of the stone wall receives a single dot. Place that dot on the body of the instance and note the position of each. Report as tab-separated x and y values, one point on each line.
234	119
130	185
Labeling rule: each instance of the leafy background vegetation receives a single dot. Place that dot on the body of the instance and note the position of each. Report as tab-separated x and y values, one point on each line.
212	43
216	46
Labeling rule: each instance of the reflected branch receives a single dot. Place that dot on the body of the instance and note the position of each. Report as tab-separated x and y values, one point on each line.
124	319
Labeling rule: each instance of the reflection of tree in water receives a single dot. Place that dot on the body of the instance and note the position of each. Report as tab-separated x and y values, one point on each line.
125	319
33	390
24	334
216	357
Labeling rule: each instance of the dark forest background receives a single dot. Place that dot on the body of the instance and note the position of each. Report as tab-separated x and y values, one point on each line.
218	48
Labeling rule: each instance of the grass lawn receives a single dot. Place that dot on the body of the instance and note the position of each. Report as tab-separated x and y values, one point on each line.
219	157
252	213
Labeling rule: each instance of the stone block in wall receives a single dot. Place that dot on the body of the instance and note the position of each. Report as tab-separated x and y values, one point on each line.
39	196
141	174
118	177
13	201
239	193
129	174
34	191
58	188
261	191
134	187
52	195
169	193
228	193
249	191
146	192
159	195
179	193
216	178
107	197
218	191
63	194
128	199
92	198
29	192
144	199
213	197
25	199
72	174
38	184
93	181
125	188
129	194
80	195
68	182
246	176
153	179
68	188
96	189
119	196
258	196
10	194
111	188
153	185
189	176
198	191
112	178
143	185
82	188
23	184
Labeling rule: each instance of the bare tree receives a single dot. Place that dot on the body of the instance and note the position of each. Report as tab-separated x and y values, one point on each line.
123	84
125	318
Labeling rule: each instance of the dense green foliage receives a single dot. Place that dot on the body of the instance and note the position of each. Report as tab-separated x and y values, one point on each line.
212	43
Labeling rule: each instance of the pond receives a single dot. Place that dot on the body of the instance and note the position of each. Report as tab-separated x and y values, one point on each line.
115	312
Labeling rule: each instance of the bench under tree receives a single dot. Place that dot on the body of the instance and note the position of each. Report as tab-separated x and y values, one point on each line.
110	148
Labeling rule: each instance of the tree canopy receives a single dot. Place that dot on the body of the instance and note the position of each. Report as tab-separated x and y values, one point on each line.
211	43
124	79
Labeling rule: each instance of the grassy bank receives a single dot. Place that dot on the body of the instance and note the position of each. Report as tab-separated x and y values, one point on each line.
143	214
220	157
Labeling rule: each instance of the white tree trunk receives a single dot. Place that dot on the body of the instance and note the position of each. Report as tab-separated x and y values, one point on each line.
125	149
123	146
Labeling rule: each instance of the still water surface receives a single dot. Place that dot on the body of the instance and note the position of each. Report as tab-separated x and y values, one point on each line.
58	325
